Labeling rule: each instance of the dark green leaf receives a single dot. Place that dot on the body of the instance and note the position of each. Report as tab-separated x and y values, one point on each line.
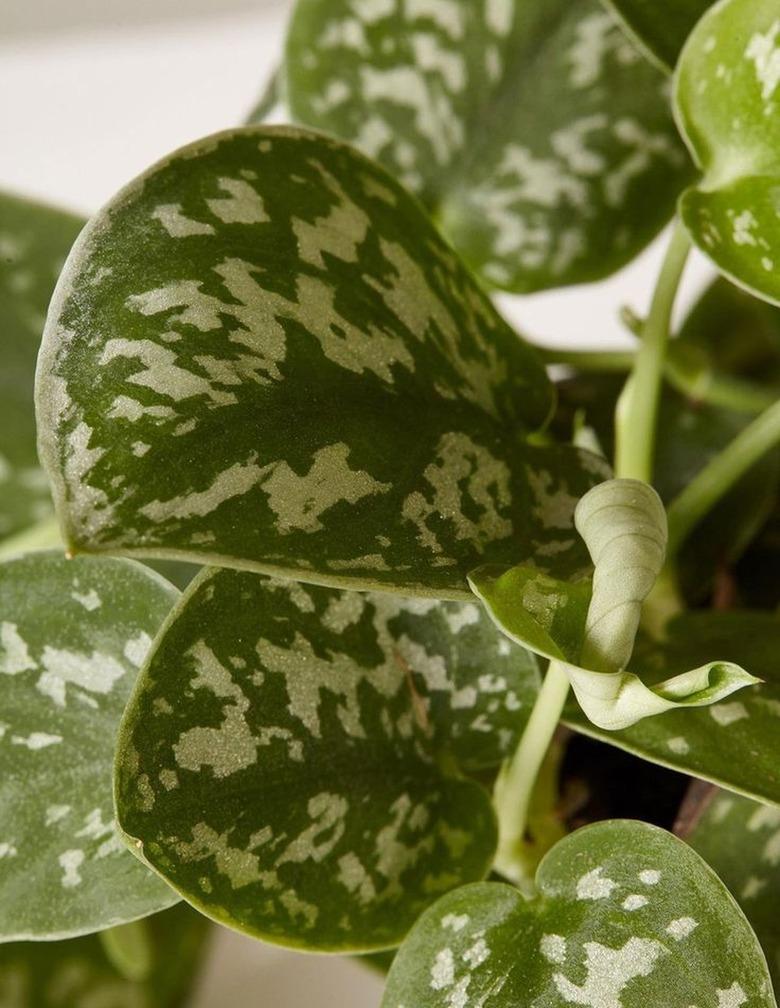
726	91
660	26
740	840
262	355
533	131
626	916
287	761
77	974
34	241
72	636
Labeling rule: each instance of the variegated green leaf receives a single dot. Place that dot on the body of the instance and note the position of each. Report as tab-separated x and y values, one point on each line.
589	627
34	241
625	916
734	743
726	93
285	763
660	26
262	355
72	636
533	130
77	974
740	839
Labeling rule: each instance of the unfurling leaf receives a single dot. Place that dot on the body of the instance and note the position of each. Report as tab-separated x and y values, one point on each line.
591	628
626	916
72	636
726	93
289	760
262	355
533	131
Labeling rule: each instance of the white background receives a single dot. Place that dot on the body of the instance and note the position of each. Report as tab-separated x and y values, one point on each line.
94	91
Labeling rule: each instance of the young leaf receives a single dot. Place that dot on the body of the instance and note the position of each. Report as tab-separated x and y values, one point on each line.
590	628
533	131
72	636
726	90
283	763
626	916
262	355
660	26
77	974
733	743
740	840
34	241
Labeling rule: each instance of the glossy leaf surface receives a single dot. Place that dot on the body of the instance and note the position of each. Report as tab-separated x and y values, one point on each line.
740	840
626	916
262	355
72	636
76	973
286	762
735	742
660	26
34	241
533	131
726	93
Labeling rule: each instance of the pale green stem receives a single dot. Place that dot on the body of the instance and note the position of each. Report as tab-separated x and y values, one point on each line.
637	408
44	535
515	784
129	950
720	475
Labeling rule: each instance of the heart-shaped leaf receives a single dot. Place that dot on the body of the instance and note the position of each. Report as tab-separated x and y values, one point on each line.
726	92
734	743
77	974
740	840
626	916
72	636
660	26
589	627
285	762
262	355
34	241
532	130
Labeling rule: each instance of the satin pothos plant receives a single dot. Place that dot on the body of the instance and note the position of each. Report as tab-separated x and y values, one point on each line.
427	566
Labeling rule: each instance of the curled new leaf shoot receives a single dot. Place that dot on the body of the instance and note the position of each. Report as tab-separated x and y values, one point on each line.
623	524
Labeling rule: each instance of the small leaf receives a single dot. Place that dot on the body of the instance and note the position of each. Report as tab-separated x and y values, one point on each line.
740	840
626	916
660	26
285	763
726	91
262	355
590	628
533	131
72	636
733	743
77	974
34	241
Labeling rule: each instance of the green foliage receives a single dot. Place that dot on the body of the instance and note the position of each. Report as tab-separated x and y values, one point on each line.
288	762
77	974
72	636
532	131
660	26
725	93
624	914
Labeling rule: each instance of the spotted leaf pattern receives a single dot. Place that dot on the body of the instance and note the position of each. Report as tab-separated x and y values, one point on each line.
73	634
34	241
733	743
289	760
660	26
77	973
624	916
726	92
740	839
262	355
